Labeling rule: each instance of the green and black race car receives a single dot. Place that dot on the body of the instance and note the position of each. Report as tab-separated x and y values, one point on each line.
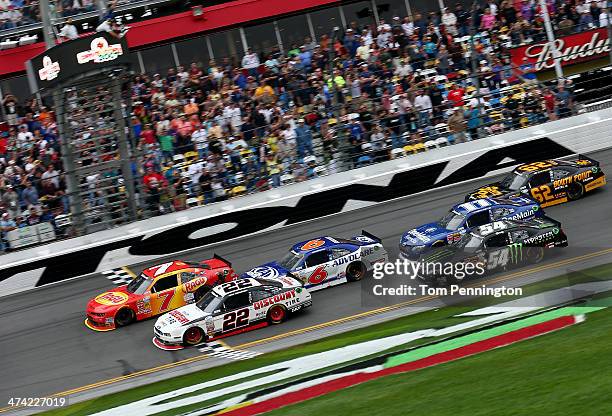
549	182
493	247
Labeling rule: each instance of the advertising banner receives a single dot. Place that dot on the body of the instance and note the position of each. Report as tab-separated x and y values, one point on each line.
579	47
70	59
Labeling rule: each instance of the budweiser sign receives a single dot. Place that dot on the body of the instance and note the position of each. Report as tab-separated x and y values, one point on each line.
576	48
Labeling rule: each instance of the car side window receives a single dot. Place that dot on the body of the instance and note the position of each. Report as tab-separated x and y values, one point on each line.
187	276
478	219
260	294
499	213
519	235
239	300
539	179
498	240
319	257
339	252
164	283
560	173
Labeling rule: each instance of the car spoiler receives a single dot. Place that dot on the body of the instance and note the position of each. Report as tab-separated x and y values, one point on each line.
372	236
593	161
552	220
218	257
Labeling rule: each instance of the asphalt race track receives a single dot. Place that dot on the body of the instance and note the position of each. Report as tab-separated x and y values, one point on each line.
47	349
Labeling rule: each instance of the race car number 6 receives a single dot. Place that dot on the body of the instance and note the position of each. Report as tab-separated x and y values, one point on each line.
317	276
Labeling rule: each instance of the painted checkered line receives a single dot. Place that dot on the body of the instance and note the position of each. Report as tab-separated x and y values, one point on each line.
217	349
118	276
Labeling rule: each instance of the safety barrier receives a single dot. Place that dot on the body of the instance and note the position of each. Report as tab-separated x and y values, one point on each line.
30	235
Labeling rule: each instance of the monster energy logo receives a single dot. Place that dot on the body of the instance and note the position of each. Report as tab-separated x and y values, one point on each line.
516	252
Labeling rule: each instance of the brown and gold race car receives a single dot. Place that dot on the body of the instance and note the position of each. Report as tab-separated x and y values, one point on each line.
549	182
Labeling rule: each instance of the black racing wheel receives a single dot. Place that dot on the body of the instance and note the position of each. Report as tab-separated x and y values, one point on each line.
575	191
124	316
355	271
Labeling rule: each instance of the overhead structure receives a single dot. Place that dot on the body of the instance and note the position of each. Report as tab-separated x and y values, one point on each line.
87	78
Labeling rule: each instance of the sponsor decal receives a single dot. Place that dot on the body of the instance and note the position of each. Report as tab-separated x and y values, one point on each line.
249	221
364	239
100	52
345	259
522	215
367	251
419	236
264	272
583	175
112	298
274	299
50	69
583	162
542	237
194	284
143	306
178	315
516	252
453	237
312	244
575	48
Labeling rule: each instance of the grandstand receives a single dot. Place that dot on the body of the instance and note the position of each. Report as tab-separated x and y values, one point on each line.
335	87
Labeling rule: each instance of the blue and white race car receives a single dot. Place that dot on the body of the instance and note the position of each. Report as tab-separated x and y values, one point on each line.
461	219
325	261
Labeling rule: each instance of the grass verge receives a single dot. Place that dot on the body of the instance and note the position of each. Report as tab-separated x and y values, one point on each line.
560	373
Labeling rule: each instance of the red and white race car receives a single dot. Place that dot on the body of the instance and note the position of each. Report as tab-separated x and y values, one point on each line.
156	290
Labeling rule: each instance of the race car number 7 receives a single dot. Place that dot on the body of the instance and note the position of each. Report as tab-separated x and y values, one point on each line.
167	297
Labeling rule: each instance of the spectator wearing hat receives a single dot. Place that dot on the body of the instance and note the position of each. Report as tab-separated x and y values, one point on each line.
10	200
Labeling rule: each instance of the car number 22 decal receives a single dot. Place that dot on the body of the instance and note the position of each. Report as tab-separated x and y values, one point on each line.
235	319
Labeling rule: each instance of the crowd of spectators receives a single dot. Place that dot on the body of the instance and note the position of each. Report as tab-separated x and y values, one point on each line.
16	13
206	133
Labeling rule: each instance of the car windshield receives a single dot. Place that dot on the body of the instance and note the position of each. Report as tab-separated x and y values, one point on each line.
210	302
513	182
471	241
451	221
291	260
139	285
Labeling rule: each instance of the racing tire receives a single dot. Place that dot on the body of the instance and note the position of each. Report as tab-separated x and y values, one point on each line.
124	317
534	255
193	336
355	271
575	191
277	314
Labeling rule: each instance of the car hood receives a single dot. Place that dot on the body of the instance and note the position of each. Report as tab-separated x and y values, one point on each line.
267	271
491	190
424	235
112	299
274	271
181	316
